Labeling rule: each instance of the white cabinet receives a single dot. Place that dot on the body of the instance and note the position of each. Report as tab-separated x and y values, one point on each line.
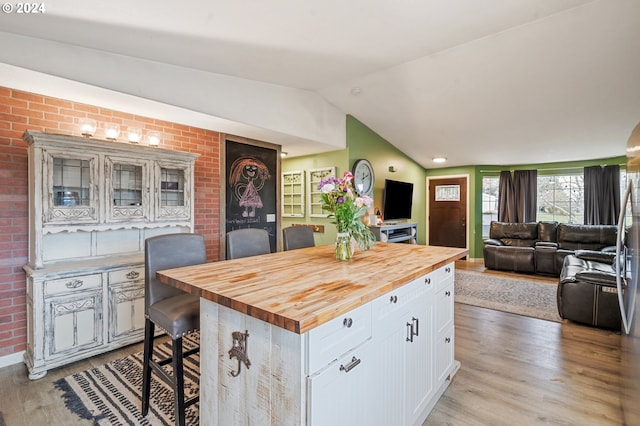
403	334
126	299
379	364
72	315
444	342
406	232
339	394
92	204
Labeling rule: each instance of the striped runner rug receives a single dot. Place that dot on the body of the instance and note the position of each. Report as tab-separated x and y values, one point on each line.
111	394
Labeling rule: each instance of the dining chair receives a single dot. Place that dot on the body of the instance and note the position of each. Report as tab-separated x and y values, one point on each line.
247	242
296	237
172	310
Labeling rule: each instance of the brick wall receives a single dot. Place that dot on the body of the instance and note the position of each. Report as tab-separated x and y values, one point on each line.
20	111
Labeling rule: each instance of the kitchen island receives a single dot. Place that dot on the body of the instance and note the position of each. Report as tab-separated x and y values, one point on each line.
299	338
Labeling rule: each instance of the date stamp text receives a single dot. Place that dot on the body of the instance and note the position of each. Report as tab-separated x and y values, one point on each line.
23	8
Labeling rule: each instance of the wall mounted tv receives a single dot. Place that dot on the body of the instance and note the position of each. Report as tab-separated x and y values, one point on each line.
397	200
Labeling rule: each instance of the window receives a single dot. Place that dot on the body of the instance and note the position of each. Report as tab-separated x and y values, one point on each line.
561	198
490	186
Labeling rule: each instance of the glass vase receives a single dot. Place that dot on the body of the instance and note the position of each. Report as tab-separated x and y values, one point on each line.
343	246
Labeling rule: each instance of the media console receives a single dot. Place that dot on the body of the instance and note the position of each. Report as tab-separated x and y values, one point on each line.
396	232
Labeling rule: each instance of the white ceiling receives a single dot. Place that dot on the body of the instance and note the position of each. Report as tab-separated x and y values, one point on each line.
478	81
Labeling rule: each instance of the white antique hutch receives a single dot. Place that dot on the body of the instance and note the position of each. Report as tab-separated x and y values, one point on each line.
92	203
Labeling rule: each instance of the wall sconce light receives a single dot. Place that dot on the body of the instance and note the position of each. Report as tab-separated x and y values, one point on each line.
88	127
283	154
393	169
439	159
153	138
111	131
134	134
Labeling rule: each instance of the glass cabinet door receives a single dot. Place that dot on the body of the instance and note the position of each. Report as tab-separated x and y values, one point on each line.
173	196
127	185
71	197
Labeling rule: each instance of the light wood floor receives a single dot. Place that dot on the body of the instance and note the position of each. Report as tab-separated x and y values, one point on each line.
515	371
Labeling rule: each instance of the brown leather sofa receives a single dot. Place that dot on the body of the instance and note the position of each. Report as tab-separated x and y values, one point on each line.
540	247
587	291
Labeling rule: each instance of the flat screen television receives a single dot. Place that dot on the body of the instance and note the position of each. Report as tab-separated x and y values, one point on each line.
397	200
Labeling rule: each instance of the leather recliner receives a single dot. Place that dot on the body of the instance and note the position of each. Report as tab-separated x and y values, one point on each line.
587	292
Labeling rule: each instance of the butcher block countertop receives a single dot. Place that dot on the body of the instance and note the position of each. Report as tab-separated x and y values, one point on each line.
302	289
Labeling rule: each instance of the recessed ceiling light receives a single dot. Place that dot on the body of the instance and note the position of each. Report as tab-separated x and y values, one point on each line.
439	159
355	91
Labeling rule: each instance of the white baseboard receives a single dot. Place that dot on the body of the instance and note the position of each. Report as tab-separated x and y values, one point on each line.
12	359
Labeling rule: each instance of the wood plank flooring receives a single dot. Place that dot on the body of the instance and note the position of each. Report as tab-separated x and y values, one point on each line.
515	371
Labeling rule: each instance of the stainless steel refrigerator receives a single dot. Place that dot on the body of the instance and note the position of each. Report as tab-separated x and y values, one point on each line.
628	273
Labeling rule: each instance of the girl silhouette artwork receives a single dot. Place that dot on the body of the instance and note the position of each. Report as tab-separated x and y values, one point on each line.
247	176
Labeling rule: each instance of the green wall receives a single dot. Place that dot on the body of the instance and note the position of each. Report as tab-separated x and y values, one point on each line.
362	142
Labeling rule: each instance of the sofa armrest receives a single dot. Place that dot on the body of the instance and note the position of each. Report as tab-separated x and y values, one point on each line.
546	244
493	242
597	277
596	256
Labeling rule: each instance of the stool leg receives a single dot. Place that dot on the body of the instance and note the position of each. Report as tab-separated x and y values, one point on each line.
178	381
149	330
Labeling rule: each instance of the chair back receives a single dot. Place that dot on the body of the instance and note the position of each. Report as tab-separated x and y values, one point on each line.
166	252
247	242
296	237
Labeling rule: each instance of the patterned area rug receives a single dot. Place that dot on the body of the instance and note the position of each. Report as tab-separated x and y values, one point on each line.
516	295
111	394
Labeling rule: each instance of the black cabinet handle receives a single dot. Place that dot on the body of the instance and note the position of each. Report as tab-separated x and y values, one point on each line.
394	299
409	332
347	322
447	293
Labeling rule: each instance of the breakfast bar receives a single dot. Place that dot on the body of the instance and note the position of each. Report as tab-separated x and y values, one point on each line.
299	338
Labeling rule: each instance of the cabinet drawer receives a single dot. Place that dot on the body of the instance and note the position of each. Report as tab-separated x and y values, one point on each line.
445	276
77	283
331	340
444	307
389	308
127	274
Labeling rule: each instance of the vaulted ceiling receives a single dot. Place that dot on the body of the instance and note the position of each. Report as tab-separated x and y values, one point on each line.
477	81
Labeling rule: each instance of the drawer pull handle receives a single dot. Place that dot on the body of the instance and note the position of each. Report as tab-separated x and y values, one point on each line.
347	322
447	270
394	299
133	275
74	284
447	339
427	281
409	332
447	293
415	321
354	362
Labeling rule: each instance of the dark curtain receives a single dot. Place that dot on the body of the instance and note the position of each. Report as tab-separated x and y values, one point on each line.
506	202
601	195
518	196
525	186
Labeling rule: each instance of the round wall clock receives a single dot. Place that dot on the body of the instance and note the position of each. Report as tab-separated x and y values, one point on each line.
363	177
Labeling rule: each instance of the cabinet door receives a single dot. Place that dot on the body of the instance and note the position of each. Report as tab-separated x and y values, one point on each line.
173	194
445	332
340	395
73	323
419	359
127	182
70	191
126	310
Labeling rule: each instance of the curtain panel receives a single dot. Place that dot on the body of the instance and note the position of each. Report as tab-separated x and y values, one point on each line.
518	196
601	195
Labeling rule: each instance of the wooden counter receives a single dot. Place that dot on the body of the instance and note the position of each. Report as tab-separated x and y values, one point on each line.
301	289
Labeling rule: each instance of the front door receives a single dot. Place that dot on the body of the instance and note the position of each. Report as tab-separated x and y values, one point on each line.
448	212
